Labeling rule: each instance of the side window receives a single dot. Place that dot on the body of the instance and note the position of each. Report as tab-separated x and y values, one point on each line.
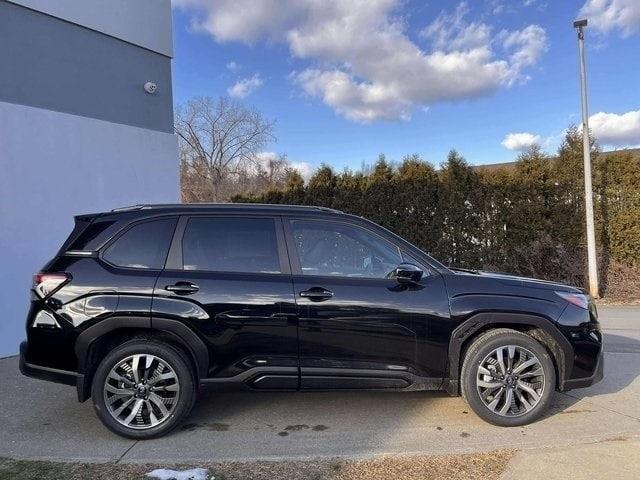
411	259
89	234
144	245
331	248
231	245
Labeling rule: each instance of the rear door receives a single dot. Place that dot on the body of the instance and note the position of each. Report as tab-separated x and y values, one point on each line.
357	327
228	278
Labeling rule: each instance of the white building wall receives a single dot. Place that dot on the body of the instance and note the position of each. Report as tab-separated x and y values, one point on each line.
54	166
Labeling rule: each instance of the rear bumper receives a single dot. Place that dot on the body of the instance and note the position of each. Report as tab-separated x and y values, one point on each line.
47	373
598	374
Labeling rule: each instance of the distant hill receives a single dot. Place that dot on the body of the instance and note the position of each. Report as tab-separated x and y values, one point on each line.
494	166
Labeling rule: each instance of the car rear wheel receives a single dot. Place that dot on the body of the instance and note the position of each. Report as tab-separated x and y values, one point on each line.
508	378
143	389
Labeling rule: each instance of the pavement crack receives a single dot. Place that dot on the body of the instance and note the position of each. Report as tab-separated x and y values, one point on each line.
127	451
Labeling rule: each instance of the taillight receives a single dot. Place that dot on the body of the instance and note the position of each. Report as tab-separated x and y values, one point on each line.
46	284
578	299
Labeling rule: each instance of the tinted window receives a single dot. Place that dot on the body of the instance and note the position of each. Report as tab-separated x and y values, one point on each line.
142	246
231	245
411	259
327	248
89	234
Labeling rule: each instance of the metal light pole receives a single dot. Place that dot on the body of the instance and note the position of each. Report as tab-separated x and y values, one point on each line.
588	191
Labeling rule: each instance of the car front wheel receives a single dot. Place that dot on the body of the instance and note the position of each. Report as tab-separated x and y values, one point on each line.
143	389
508	378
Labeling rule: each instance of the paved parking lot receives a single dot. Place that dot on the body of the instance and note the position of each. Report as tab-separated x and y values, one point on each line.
44	420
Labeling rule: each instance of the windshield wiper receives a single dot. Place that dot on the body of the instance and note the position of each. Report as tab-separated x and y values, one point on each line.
466	270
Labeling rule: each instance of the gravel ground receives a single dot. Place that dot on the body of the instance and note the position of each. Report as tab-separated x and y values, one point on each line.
468	466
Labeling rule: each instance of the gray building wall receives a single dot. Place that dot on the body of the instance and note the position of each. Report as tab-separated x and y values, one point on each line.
53	64
146	23
78	133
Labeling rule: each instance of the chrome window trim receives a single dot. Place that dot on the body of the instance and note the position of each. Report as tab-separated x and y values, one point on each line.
80	253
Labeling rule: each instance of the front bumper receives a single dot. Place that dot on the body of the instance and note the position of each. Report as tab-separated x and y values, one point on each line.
47	373
598	374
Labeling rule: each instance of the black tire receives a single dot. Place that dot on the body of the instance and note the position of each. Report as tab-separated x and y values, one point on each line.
174	359
478	351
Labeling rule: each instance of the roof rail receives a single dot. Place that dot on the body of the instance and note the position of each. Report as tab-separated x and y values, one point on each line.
131	207
224	205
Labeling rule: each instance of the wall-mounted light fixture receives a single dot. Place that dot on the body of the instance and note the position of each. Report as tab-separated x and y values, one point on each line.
150	87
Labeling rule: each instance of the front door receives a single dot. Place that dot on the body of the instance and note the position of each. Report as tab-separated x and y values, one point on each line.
357	327
228	279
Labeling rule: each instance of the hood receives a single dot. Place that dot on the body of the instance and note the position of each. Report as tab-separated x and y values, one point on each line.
516	280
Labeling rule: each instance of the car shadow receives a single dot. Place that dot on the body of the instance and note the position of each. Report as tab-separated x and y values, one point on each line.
285	412
621	369
620	372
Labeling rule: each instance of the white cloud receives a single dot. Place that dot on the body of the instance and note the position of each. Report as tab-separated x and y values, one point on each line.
497	7
242	20
608	15
363	64
520	141
452	32
233	66
528	45
553	142
245	87
618	130
305	169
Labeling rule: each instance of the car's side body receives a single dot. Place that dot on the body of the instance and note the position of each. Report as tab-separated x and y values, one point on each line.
283	327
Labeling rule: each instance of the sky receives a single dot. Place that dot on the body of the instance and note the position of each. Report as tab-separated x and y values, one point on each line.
347	80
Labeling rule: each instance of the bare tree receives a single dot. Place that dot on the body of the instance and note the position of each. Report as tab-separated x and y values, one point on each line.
270	172
219	141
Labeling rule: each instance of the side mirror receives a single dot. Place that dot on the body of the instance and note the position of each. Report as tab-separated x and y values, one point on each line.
407	273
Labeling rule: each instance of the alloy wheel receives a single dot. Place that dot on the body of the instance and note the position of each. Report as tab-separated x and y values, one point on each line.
510	381
141	391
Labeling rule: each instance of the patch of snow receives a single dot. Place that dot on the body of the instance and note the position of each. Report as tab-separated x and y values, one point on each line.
193	474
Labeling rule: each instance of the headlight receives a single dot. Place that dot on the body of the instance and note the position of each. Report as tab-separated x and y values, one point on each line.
578	299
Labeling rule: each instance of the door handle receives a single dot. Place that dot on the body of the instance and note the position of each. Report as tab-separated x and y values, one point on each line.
183	288
317	293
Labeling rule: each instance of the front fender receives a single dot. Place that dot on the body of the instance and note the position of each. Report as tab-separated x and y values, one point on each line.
541	328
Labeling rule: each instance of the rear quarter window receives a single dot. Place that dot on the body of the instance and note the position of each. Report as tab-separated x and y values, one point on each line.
89	234
144	245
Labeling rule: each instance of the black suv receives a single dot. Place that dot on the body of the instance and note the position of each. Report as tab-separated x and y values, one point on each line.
143	305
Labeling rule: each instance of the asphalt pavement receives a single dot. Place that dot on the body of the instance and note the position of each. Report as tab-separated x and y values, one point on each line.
41	420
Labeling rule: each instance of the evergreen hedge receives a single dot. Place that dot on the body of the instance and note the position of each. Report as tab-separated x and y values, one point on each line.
525	219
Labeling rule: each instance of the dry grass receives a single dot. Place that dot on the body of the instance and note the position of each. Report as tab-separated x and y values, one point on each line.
622	284
41	470
452	467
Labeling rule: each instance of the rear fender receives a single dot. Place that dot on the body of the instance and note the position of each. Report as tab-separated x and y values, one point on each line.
178	332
